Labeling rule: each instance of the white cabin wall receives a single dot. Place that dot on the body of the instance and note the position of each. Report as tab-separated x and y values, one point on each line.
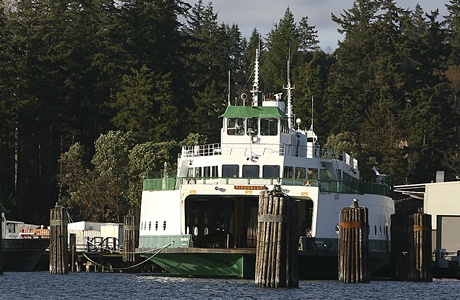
331	204
160	206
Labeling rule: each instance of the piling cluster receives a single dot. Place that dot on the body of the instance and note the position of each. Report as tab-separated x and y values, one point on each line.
411	242
354	244
58	241
277	241
130	239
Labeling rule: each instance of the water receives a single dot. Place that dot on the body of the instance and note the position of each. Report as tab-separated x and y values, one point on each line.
42	285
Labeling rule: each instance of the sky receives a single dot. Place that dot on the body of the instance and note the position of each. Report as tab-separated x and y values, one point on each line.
263	14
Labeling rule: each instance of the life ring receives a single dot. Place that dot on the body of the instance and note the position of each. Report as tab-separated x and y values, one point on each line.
307	183
191	181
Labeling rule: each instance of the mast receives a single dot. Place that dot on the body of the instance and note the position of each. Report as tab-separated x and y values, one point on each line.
289	88
311	127
255	86
228	96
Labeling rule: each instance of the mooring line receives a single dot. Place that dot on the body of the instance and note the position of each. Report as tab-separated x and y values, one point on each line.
133	266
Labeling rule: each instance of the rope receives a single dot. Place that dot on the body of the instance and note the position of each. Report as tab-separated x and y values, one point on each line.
99	247
133	266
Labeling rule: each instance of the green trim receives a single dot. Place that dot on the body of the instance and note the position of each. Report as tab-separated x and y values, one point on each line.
154	241
253	112
341	187
204	264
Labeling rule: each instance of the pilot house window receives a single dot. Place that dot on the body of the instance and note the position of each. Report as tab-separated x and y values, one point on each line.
252	126
268	126
235	126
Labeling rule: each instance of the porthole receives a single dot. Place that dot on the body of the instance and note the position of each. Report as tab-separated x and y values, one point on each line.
150	225
164	225
156	225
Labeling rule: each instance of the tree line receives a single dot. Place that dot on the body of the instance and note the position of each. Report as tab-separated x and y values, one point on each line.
96	94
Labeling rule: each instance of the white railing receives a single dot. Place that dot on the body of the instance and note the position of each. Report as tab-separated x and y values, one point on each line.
266	149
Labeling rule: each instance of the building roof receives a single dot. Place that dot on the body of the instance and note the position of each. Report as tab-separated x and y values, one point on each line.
253	112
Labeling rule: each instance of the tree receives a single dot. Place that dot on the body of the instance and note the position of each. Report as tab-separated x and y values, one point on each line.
215	53
145	105
111	187
282	45
452	22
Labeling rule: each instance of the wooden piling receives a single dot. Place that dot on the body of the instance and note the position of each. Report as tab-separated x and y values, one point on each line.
73	251
130	239
399	253
411	247
58	241
1	239
277	241
354	244
420	263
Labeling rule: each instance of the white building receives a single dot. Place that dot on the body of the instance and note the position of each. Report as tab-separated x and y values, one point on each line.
441	200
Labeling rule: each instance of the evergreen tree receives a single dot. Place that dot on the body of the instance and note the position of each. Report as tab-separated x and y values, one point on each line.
452	22
145	106
208	66
282	45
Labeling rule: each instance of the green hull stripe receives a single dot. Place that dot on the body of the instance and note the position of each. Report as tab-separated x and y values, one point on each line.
201	264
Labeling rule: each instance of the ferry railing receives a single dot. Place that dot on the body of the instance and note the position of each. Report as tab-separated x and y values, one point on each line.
326	186
266	149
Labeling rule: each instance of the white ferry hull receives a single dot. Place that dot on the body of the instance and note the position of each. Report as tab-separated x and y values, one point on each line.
183	220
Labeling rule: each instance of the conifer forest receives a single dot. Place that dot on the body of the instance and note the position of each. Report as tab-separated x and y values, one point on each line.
96	94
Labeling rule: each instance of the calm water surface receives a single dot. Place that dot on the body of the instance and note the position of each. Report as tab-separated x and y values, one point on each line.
42	285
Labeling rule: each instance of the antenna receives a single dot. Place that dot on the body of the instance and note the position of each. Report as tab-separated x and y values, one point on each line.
228	96
255	86
289	94
311	127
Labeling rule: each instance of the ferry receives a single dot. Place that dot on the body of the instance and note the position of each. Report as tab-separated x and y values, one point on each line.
203	221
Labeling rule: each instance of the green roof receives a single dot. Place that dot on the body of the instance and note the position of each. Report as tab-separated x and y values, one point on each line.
253	112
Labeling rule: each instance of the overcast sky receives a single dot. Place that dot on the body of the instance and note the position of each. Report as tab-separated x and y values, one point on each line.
263	14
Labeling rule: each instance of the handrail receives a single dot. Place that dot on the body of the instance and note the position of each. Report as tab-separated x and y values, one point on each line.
326	186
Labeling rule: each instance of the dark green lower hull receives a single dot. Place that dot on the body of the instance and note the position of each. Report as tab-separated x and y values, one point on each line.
214	263
208	264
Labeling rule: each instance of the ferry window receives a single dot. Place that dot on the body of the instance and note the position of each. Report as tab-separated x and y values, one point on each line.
270	171
288	172
215	171
230	170
207	171
313	174
198	172
252	126
150	225
251	171
11	228
190	172
235	126
323	175
284	126
164	225
300	173
268	126
156	225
